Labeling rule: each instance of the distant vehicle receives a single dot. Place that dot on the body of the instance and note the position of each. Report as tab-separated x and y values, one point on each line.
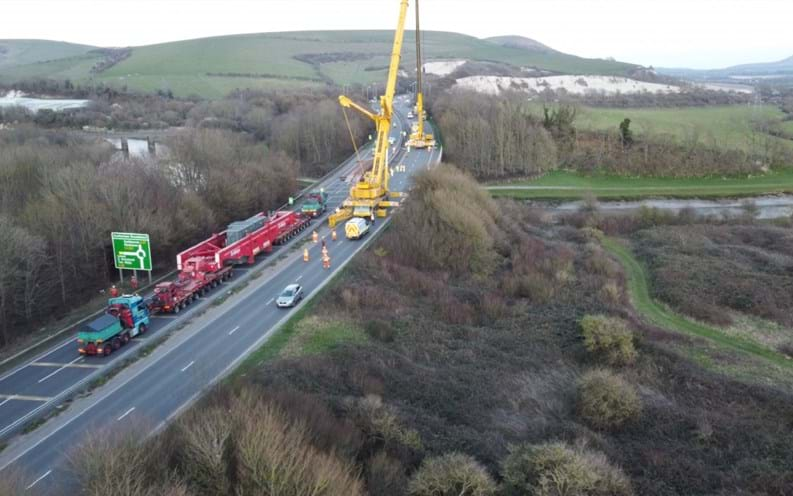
410	115
290	296
391	140
356	228
315	204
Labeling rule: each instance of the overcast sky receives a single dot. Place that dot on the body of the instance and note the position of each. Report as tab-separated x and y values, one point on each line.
669	33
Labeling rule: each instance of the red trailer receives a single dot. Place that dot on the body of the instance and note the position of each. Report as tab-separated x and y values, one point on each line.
279	227
210	262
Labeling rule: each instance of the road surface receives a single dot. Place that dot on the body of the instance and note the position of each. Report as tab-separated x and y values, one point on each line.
157	387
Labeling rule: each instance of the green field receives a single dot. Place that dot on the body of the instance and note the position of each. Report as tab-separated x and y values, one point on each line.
726	126
211	67
566	185
24	52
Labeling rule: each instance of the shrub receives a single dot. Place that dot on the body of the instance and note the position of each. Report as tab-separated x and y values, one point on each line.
273	455
453	474
555	469
385	476
381	330
606	401
204	437
609	338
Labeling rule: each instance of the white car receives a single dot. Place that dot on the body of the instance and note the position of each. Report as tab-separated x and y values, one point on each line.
290	296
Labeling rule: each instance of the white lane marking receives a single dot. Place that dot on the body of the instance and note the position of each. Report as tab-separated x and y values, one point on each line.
7	400
56	371
233	330
270	300
299	277
188	365
38	480
126	413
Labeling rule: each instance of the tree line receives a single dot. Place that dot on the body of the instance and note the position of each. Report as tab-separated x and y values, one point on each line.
62	193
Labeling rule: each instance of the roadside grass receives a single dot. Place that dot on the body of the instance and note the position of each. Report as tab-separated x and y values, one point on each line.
661	316
573	185
314	334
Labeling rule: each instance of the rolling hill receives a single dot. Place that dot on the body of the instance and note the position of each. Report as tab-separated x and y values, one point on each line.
779	68
211	67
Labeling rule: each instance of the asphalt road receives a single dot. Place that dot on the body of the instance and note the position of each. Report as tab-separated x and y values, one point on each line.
157	387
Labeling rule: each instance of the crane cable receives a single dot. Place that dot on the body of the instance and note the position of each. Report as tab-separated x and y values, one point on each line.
352	138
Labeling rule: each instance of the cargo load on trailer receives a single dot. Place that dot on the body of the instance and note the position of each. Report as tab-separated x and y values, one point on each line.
126	317
316	203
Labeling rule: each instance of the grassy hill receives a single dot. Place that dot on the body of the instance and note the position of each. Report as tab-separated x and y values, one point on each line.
212	67
23	52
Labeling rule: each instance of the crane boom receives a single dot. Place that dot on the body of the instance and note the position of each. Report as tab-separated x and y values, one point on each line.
369	196
418	139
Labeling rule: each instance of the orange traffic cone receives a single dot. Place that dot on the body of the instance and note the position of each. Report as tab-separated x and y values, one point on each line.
305	254
325	251
326	262
315	236
333	235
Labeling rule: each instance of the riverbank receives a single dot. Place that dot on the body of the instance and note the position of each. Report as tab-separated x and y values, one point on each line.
565	185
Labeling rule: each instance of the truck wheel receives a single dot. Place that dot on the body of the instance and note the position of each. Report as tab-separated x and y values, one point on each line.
125	338
142	329
107	350
116	343
177	308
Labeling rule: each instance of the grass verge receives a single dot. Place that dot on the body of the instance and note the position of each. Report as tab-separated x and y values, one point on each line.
656	314
573	185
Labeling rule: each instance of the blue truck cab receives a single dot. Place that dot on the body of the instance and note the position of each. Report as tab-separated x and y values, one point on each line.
126	317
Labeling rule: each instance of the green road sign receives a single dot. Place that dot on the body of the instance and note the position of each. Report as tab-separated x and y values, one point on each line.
131	251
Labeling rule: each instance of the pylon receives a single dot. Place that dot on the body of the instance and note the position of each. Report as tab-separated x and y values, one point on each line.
315	236
305	254
324	251
326	262
333	235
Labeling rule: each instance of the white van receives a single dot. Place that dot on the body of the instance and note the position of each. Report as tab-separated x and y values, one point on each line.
356	228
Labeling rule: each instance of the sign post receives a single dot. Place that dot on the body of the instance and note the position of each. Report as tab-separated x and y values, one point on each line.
131	251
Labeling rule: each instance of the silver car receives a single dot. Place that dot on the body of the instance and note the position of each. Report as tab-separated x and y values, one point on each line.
290	296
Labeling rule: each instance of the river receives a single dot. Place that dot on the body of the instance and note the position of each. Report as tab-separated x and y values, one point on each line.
767	207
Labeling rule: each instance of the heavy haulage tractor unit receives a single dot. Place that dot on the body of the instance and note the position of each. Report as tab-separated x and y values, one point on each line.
126	317
315	205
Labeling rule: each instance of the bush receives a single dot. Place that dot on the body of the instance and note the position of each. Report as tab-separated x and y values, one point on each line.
606	401
555	469
609	338
447	223
385	476
453	474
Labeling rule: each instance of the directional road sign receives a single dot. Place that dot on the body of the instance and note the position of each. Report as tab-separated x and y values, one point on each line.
131	251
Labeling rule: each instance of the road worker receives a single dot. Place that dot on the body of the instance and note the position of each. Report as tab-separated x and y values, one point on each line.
133	282
305	254
113	291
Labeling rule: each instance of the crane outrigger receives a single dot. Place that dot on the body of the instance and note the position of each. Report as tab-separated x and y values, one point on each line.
371	196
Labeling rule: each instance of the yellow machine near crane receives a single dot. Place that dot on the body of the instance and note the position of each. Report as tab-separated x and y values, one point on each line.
370	196
419	139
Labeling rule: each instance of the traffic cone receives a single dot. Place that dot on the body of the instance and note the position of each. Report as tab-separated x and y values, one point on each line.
326	262
315	236
333	235
325	251
305	254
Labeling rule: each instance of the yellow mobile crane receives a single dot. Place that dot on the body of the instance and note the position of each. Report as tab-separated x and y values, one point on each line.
418	139
370	195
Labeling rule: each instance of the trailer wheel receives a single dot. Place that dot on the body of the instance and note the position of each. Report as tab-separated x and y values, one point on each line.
177	308
107	350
